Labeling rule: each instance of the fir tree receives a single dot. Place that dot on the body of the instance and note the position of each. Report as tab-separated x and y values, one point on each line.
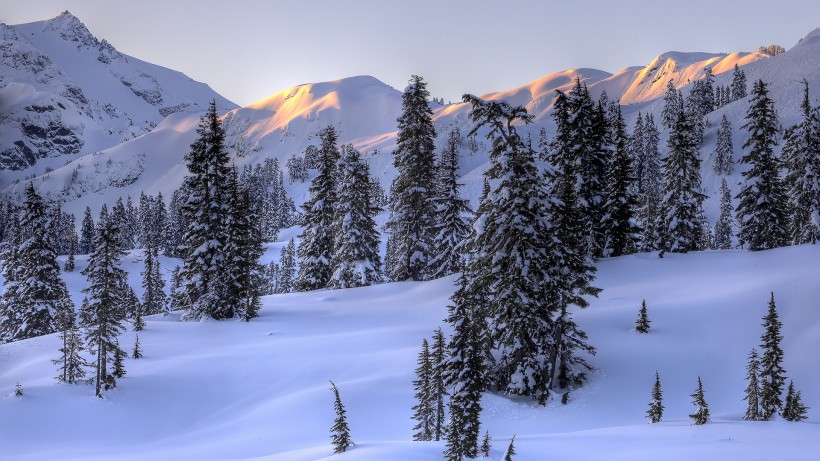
87	233
724	227
137	352
701	416
452	212
682	203
772	374
655	412
724	152
119	363
423	411
761	210
356	259
286	269
485	445
642	323
793	410
801	155
438	386
508	455
71	362
316	247
752	397
648	174
18	389
621	202
411	206
154	300
672	106
738	84
340	432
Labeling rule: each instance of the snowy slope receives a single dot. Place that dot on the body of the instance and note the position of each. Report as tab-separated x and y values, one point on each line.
259	390
65	93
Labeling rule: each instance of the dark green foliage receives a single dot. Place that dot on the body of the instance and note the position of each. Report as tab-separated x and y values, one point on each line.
793	410
119	365
642	323
672	106
621	204
724	151
646	165
137	352
772	375
87	233
339	432
724	227
154	299
438	386
71	362
485	445
423	411
762	208
752	397
655	412
286	273
738	84
801	156
701	415
411	206
508	455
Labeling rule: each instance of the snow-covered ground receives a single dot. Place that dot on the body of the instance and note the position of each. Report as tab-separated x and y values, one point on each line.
259	391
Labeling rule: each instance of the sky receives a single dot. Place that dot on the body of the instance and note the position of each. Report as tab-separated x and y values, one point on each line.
248	50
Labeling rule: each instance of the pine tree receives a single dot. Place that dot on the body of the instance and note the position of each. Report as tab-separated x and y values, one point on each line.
508	455
793	410
738	84
801	155
753	388
724	227
119	364
356	261
438	386
672	106
701	416
724	152
205	235
71	361
340	432
642	323
621	203
411	206
87	233
154	300
137	352
655	412
286	269
772	374
485	445
452	212
648	181
18	389
423	411
316	247
761	210
682	203
102	315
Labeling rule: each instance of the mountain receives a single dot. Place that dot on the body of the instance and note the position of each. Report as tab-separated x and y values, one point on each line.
64	93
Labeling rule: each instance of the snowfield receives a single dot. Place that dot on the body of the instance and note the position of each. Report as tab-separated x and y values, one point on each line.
259	391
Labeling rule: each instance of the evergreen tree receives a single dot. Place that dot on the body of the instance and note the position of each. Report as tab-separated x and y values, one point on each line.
793	410
772	374
648	182
72	363
102	315
621	202
423	411
18	389
672	106
205	235
438	385
137	353
701	416
411	206
753	388
154	300
485	445
682	203
724	152
452	212
642	323
356	260
340	432
286	269
725	224
655	412
87	233
738	84
508	455
316	247
801	155
761	210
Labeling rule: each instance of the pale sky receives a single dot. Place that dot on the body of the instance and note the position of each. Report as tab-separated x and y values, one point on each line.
247	50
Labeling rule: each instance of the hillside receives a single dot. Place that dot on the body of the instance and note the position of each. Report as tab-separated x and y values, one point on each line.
259	390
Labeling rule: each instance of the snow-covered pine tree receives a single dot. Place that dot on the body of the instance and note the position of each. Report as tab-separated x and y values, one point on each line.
18	389
655	412
102	315
508	455
411	208
621	203
438	385
642	323
701	415
316	241
724	227
340	431
724	152
695	104
72	242
452	212
356	261
762	207
174	245
485	445
794	409
72	364
286	269
423	412
772	375
204	211
682	203
119	215
801	155
672	106
137	352
87	233
648	183
738	84
154	300
752	396
119	367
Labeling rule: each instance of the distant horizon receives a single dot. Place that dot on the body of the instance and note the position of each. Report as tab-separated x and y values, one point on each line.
260	48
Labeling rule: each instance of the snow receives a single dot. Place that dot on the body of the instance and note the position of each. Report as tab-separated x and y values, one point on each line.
259	390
